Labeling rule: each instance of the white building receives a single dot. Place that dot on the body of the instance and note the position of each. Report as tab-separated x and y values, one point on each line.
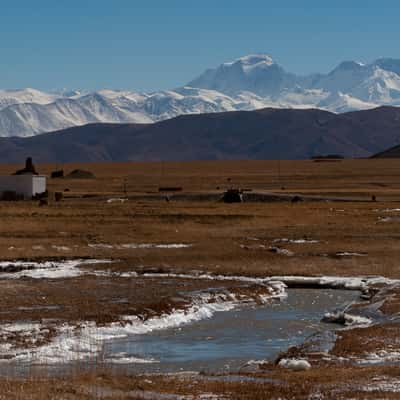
23	186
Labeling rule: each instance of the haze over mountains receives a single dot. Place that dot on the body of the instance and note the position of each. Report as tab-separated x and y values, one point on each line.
249	83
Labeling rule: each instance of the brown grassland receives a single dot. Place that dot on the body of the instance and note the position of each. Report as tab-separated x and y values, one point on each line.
222	238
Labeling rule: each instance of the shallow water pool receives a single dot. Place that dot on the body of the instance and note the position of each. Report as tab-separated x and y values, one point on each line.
231	338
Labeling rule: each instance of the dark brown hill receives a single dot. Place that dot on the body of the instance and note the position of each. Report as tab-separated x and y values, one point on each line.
262	134
393	152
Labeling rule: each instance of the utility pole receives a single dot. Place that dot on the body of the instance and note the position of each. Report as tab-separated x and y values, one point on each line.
279	173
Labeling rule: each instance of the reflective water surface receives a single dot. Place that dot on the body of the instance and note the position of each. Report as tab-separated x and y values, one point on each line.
231	338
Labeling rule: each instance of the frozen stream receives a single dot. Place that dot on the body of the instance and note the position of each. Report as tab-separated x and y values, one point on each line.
232	338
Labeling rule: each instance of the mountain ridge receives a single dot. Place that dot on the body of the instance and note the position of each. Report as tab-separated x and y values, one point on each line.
248	83
267	133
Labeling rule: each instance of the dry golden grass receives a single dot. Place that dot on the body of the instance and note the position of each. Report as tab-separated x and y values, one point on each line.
222	237
341	382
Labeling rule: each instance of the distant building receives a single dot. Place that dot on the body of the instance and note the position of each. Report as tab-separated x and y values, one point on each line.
22	186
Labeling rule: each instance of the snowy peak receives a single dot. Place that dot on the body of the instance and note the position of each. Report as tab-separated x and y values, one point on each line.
28	95
256	73
355	84
388	64
251	62
342	102
250	82
349	66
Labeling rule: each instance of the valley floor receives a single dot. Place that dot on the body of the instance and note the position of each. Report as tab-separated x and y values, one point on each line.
121	220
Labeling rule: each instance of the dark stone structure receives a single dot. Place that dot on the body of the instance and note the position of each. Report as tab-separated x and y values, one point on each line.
232	196
29	168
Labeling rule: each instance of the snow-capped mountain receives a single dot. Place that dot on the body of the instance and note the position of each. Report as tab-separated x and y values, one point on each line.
28	95
254	73
248	83
108	106
357	85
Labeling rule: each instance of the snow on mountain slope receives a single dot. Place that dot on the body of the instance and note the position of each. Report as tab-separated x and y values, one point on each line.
381	87
247	83
27	119
341	102
10	97
255	73
351	85
302	98
344	77
388	64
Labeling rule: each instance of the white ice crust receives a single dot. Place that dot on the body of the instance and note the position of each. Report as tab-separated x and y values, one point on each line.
85	340
74	343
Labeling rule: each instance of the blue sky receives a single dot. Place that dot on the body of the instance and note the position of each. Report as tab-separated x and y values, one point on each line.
161	44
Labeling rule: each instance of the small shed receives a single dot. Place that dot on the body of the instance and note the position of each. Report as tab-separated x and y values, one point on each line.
22	186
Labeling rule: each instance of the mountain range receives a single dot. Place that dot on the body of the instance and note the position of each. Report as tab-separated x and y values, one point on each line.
268	133
249	83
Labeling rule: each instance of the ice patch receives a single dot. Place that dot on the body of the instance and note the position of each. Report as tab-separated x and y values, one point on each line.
140	246
123	358
385	219
253	247
331	282
278	285
84	342
346	319
155	246
101	246
296	241
334	282
381	357
281	251
382	384
203	306
117	200
130	274
295	364
61	248
350	254
46	269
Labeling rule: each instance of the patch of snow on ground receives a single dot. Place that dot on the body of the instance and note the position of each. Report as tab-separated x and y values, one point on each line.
294	364
123	358
47	269
61	248
296	241
335	282
281	251
350	254
73	343
117	200
275	283
140	246
385	219
346	319
85	341
253	247
382	384
381	357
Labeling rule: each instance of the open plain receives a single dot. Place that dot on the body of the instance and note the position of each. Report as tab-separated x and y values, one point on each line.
116	246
